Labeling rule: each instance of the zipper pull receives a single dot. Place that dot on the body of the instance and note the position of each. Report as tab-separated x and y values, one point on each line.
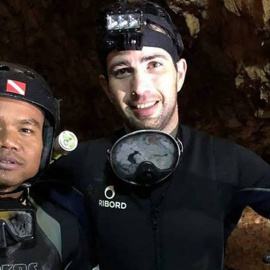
155	213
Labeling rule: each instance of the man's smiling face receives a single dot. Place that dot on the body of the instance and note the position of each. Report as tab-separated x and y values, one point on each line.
143	86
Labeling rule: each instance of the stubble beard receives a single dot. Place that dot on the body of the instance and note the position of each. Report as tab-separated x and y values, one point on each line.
166	121
8	182
161	122
4	182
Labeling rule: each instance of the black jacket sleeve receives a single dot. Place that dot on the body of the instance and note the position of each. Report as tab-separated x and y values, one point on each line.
253	182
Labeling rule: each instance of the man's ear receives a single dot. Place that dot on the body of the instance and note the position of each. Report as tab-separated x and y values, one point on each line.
181	66
104	85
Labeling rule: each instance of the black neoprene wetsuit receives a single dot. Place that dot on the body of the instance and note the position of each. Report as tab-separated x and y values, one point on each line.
59	240
181	223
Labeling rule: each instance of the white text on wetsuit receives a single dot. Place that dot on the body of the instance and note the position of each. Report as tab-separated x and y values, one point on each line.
109	193
112	204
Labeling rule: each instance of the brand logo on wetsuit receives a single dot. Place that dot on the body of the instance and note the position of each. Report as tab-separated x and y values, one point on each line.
19	266
109	194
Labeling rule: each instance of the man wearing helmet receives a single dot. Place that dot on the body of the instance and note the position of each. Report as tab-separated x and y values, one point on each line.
35	234
164	196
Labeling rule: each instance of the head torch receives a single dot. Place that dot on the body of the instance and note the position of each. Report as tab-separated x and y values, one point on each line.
121	22
131	25
145	157
124	29
17	224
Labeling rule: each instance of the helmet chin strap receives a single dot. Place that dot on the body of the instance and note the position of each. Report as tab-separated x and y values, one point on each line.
18	189
24	186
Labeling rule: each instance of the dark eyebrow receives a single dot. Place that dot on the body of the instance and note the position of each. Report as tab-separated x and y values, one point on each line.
152	57
118	64
144	59
30	121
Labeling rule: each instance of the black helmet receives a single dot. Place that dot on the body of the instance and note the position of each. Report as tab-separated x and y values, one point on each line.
22	83
130	26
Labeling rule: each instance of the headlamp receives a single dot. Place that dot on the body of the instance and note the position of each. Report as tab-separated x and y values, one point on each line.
133	25
123	22
145	157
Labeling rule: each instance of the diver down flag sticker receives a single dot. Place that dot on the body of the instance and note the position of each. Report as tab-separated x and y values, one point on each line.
16	87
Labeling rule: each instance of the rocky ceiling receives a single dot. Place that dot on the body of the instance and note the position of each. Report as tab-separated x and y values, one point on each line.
227	49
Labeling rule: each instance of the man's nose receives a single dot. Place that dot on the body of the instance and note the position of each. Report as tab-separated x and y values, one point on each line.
141	83
8	139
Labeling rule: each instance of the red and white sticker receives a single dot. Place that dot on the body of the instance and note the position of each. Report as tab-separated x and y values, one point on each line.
16	87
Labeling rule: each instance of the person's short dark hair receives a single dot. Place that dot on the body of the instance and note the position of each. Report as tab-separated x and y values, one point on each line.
156	29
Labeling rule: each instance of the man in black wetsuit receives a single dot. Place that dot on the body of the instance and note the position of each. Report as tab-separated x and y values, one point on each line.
165	196
34	232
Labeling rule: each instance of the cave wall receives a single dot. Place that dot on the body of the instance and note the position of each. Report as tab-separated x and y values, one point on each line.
227	47
228	50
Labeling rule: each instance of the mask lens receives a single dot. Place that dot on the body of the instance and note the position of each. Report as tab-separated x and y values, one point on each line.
16	226
145	157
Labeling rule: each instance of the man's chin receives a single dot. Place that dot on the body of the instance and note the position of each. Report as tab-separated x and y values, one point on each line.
142	124
4	186
7	186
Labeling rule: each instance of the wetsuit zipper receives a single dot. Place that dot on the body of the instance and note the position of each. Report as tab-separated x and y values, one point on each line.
155	227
